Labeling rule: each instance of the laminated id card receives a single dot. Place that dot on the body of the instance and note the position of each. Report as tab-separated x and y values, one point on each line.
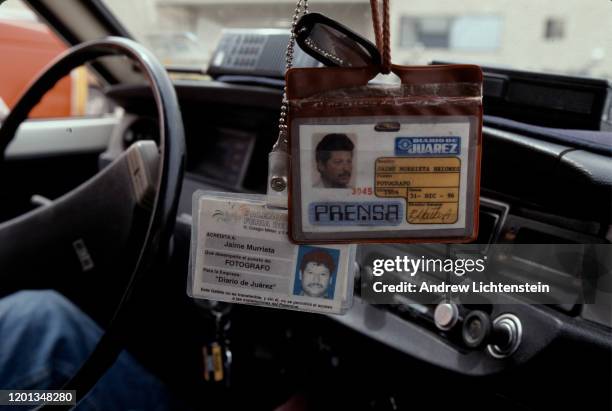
240	253
385	163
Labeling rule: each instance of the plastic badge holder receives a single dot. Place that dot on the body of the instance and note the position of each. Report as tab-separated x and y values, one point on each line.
240	253
384	163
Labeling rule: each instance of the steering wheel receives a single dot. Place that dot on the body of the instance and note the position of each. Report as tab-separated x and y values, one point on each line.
144	181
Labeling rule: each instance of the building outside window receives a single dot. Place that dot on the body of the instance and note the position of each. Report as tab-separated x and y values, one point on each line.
554	29
461	33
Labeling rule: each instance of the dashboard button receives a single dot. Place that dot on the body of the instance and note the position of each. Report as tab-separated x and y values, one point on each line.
446	316
476	329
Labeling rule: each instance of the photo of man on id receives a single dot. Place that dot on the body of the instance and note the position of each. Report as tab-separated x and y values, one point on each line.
334	161
315	272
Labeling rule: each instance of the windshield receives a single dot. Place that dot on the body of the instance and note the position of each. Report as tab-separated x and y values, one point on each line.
557	36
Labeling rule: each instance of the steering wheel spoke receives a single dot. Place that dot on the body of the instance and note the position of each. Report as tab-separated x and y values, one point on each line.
85	233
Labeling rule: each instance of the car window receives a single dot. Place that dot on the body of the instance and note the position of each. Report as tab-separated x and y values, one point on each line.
32	45
558	36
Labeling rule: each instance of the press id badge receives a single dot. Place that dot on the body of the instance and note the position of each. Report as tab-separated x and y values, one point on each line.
241	253
385	163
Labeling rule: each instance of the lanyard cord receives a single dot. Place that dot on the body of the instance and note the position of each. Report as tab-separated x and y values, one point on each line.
382	33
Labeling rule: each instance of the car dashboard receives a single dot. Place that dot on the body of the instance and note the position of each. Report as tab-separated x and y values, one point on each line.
533	191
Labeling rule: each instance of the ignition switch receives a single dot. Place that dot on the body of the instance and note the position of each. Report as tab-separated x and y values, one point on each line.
510	327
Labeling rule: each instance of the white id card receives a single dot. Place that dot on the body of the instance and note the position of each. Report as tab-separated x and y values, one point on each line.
355	182
241	253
